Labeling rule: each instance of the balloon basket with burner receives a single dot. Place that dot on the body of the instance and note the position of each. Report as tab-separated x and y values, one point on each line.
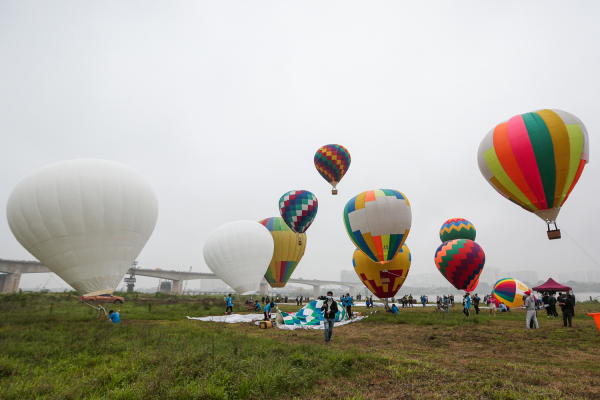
553	233
265	325
334	191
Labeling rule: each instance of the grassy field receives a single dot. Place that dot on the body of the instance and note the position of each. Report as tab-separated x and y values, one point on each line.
53	347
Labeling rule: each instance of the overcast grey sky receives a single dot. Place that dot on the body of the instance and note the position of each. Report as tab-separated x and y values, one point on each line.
222	105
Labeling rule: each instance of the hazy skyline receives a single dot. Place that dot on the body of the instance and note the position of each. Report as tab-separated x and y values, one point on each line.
222	105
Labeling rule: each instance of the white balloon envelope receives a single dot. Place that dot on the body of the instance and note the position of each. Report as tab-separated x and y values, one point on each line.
239	253
86	220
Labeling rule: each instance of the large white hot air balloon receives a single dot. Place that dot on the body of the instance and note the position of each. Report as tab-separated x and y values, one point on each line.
239	253
86	220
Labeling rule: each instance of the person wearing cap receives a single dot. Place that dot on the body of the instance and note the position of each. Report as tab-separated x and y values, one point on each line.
530	307
270	306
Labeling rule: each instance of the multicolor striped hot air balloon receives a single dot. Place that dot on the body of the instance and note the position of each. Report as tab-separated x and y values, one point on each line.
378	222
535	160
461	262
510	292
383	280
298	208
286	255
457	228
332	162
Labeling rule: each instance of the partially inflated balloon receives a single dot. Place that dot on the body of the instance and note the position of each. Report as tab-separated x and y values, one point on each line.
372	273
473	286
287	253
298	208
535	159
457	228
332	162
239	253
461	262
86	220
378	222
510	292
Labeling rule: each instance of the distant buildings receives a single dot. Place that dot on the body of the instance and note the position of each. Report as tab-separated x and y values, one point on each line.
349	276
527	277
490	275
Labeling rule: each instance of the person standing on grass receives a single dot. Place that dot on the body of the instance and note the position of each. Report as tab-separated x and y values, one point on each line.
329	309
476	300
115	317
530	307
493	303
349	305
567	305
467	305
229	304
552	302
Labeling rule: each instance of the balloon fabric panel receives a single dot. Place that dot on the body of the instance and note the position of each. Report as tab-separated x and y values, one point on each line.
332	161
510	292
298	208
371	273
460	261
457	228
286	255
535	159
378	222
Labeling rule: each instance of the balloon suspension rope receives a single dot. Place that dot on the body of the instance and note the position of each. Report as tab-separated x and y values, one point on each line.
100	308
586	253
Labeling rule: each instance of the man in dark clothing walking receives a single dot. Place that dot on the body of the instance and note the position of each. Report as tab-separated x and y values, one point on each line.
567	305
329	308
552	306
476	300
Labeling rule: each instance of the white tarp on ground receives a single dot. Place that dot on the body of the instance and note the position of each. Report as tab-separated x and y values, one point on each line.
363	304
231	319
256	318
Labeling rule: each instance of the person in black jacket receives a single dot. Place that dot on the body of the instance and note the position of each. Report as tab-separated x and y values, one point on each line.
552	302
329	308
567	305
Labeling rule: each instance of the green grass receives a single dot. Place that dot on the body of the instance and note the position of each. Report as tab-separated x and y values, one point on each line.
54	348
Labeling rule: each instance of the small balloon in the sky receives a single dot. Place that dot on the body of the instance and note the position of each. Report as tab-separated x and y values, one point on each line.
298	208
332	162
535	160
378	222
457	228
239	253
86	220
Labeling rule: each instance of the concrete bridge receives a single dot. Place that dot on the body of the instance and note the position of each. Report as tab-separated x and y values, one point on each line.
11	271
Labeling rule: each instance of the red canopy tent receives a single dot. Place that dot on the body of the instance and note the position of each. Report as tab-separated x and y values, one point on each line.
551	286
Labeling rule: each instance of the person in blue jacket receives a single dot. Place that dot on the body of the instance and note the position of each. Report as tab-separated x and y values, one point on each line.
394	309
114	317
257	306
348	304
229	304
467	305
270	306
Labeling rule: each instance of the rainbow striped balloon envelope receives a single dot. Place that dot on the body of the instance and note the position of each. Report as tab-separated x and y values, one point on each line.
461	262
332	161
510	292
378	222
535	159
373	274
457	228
286	253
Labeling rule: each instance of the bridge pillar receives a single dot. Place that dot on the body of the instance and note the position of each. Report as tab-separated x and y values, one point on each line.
352	291
176	287
264	287
316	291
9	283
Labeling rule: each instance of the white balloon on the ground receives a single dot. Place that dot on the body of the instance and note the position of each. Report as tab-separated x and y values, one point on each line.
86	220
239	253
